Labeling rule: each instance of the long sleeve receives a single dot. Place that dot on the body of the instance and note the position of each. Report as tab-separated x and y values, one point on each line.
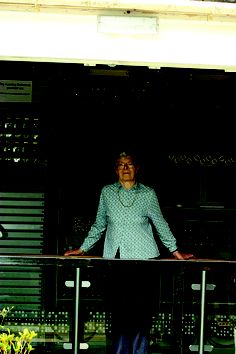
161	225
97	228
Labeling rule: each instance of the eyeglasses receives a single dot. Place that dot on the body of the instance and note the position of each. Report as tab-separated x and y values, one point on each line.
123	165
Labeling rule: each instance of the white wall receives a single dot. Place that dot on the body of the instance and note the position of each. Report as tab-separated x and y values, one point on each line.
178	41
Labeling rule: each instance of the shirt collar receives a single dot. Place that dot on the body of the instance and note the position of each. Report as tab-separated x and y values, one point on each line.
118	185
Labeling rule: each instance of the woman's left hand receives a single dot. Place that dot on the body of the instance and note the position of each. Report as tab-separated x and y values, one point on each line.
183	256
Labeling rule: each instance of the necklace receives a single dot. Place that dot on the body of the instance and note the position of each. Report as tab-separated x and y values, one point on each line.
132	201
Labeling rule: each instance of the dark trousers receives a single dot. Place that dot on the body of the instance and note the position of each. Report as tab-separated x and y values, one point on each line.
133	298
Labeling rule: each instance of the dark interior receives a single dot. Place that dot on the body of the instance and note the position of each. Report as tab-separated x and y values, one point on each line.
179	121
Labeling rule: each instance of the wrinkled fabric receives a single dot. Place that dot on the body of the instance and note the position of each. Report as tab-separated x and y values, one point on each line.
137	344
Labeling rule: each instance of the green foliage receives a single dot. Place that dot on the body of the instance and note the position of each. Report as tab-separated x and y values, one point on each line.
11	343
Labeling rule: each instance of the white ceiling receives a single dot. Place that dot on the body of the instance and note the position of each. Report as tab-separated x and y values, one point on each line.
189	34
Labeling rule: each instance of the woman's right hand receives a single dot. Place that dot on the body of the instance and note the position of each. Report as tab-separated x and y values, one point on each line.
76	252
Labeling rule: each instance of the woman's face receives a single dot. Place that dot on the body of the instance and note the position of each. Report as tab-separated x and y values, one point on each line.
126	169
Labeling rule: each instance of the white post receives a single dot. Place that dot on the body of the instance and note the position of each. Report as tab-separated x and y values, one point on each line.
234	340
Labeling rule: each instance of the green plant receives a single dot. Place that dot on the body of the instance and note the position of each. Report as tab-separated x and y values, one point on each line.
10	343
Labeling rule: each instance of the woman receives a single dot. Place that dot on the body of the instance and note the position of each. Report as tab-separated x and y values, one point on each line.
127	212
